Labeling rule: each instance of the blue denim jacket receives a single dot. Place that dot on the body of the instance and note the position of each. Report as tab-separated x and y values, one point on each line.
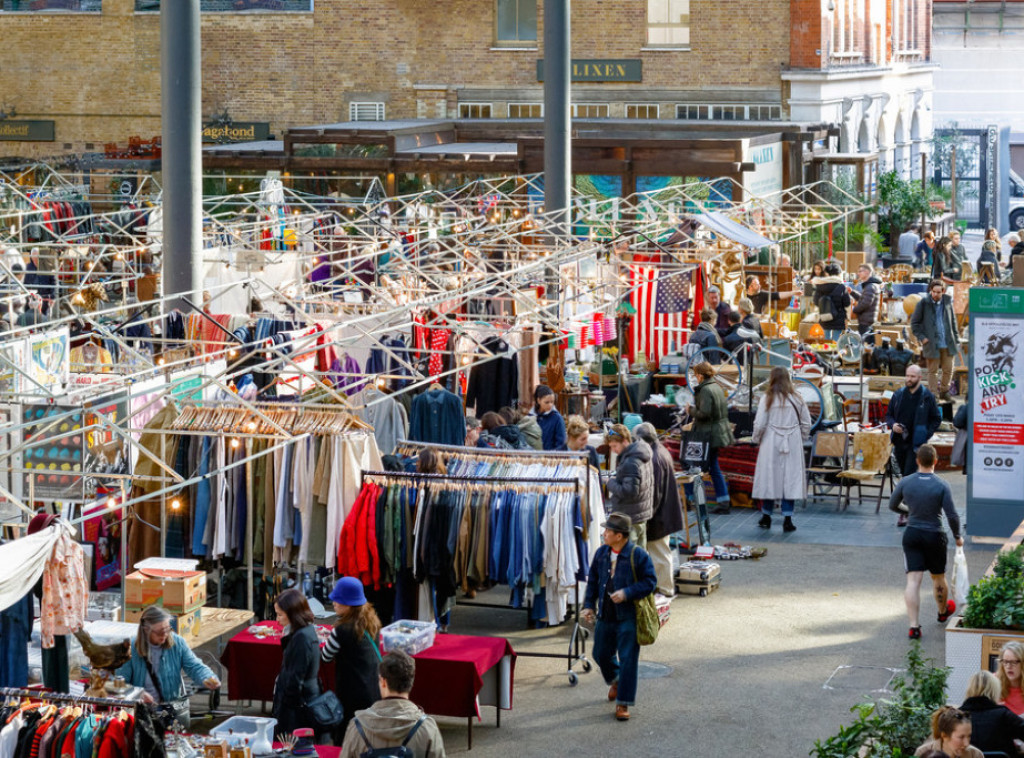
175	659
601	583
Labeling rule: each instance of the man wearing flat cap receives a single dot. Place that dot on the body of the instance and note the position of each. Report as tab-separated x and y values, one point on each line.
620	574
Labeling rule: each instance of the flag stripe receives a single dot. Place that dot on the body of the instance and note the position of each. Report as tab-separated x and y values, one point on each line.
650	332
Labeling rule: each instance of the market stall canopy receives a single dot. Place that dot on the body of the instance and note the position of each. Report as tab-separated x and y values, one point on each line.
732	230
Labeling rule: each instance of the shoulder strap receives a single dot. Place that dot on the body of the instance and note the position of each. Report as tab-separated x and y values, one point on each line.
415	728
373	644
362	734
154	677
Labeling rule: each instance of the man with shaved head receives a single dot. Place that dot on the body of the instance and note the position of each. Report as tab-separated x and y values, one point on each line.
913	416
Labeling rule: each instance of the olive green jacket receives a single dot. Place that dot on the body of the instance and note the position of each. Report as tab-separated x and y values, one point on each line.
712	414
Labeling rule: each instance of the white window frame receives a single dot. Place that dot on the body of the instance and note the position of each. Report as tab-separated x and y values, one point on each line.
356	109
469	106
600	106
539	106
647	108
516	43
745	111
659	17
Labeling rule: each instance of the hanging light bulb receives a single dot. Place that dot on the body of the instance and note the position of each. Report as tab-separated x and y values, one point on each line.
112	503
175	504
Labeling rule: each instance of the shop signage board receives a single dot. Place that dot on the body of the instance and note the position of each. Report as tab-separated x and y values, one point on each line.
601	70
995	452
26	131
766	178
237	131
49	361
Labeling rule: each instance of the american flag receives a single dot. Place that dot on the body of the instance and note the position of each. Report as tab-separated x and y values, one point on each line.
662	302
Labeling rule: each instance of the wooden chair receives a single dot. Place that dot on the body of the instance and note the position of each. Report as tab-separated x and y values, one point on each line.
853	411
827	459
877	450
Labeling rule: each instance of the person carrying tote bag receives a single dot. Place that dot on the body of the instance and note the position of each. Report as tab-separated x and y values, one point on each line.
296	684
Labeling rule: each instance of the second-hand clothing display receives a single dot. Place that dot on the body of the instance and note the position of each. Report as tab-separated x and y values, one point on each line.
494	382
437	417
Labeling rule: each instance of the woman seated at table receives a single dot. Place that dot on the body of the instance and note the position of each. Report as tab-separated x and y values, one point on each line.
945	266
158	658
951	734
300	665
994	727
353	648
1011	659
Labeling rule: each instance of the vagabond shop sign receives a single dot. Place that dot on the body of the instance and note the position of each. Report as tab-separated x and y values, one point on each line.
586	70
237	131
26	131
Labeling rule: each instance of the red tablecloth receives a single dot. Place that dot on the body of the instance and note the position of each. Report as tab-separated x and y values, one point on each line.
322	751
449	675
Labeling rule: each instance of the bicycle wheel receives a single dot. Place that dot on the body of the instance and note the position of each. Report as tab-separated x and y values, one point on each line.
812	396
729	372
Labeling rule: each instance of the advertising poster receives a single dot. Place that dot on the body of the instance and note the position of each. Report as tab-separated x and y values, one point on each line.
106	452
997	399
49	361
102	528
53	451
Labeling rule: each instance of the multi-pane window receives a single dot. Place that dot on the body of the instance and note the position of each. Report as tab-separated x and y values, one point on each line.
229	6
366	111
668	23
642	110
474	110
905	29
44	6
526	110
515	22
707	112
590	110
848	28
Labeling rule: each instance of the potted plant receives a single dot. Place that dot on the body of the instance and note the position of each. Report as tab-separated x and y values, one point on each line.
993	614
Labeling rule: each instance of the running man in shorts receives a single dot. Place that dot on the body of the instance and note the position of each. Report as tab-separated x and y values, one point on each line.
924	496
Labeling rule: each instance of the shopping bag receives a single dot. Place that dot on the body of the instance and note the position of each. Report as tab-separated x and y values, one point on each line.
959	455
647	624
695	450
960	581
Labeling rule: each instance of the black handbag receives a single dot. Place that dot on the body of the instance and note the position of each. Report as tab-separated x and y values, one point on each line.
325	710
694	450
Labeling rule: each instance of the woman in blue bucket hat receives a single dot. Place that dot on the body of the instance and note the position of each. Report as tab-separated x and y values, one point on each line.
353	648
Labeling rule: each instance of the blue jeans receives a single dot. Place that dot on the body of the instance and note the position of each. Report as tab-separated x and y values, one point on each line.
717	480
617	654
767	506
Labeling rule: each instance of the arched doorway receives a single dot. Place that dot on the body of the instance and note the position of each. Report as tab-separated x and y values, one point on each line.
864	138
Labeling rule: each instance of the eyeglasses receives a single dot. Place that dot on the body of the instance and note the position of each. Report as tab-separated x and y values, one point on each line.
1008	662
160	631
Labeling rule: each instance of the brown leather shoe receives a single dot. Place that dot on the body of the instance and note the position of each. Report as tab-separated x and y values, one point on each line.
622	713
613	691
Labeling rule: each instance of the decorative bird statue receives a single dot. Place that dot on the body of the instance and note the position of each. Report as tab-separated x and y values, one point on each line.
105	660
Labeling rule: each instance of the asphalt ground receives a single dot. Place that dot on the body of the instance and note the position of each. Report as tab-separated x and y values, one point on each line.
740	672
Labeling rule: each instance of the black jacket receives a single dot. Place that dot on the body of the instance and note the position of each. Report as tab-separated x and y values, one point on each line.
355	670
737	336
994	727
297	682
513	435
833	288
867	301
631	487
753	323
924	326
926	420
493	384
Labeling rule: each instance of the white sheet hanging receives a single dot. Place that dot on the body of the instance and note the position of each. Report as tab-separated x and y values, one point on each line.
22	562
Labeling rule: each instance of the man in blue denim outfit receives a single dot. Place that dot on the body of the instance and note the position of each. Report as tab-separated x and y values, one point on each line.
620	574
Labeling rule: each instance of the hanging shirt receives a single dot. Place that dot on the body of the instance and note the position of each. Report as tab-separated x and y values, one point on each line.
65	590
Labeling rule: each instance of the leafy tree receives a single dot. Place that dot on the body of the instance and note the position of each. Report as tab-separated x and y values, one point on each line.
901	203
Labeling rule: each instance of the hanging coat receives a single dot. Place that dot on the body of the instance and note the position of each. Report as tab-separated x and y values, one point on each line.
780	431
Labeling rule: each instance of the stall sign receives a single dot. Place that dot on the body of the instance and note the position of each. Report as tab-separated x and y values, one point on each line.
237	131
49	364
997	403
766	178
601	70
102	529
27	131
53	451
106	451
11	378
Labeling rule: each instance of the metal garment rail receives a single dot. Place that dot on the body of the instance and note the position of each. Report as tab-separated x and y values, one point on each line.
577	650
66	698
569	455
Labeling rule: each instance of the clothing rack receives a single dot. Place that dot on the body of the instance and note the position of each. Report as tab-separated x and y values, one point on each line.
67	698
570	456
577	649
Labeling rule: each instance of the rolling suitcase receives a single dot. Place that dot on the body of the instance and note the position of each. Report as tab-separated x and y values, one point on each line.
698	577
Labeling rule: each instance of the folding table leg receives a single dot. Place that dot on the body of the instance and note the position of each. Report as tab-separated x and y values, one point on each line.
469	738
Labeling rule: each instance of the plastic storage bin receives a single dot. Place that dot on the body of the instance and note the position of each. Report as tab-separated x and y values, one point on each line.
408	636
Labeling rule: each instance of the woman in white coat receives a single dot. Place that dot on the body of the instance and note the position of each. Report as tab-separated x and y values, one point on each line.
780	428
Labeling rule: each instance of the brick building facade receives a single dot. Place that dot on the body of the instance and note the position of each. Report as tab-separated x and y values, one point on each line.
95	72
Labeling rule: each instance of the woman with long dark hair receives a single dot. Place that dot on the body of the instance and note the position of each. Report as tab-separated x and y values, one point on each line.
300	665
945	266
353	648
780	428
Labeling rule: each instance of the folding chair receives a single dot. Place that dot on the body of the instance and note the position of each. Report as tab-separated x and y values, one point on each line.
877	450
827	459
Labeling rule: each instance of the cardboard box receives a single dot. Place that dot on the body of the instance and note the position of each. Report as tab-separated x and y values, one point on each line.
178	591
185	624
1018	271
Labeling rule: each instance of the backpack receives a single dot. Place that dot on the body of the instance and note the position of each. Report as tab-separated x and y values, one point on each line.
826	309
395	751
